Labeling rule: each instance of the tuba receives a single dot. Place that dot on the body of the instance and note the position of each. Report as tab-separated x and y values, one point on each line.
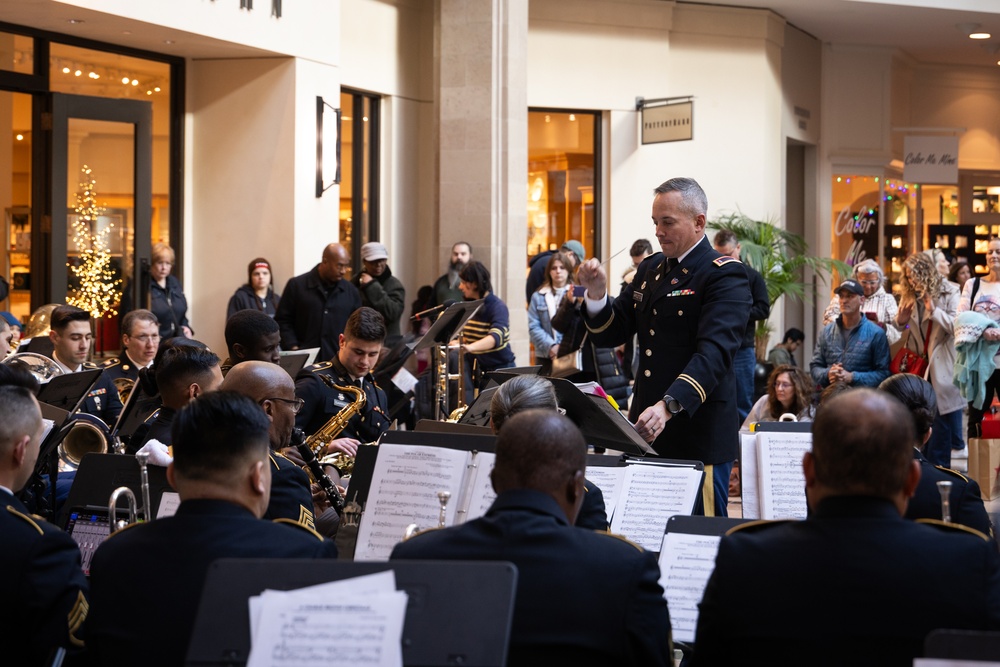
318	441
124	387
83	434
43	368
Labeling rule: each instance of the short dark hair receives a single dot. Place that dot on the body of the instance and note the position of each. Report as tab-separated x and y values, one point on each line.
465	243
641	247
19	415
863	443
725	237
133	316
246	327
520	393
693	197
15	375
540	450
475	273
62	315
794	335
147	376
183	364
917	394
365	324
217	433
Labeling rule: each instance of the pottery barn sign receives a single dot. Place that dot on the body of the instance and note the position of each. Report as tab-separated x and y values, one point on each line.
930	160
667	122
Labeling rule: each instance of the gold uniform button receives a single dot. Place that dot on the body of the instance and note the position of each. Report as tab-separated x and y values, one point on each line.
652	333
647	372
654	311
649	353
680	312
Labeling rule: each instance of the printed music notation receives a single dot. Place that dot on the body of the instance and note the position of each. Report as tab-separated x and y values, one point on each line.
404	489
686	563
608	479
648	496
782	482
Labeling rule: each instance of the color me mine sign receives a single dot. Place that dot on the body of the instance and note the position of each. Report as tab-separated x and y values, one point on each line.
930	160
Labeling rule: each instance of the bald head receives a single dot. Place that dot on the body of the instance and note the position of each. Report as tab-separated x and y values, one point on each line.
336	262
259	380
541	450
862	445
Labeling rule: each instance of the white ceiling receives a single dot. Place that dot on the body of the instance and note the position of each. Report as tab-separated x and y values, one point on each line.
920	28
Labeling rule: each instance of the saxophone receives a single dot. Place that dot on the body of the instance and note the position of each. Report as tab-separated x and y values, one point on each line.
318	441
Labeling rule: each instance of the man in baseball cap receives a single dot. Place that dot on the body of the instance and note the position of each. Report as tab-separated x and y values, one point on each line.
380	289
852	349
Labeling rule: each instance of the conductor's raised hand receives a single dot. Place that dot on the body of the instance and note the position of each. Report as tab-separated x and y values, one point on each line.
593	276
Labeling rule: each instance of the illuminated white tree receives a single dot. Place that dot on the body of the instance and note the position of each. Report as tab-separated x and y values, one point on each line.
98	291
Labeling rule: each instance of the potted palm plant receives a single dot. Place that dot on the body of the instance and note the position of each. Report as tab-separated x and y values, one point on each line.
780	257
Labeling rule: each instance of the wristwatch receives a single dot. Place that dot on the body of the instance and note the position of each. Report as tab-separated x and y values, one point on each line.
673	405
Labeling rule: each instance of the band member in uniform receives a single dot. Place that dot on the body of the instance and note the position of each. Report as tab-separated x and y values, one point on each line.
148	577
251	334
71	337
360	345
689	307
270	387
42	585
563	573
140	339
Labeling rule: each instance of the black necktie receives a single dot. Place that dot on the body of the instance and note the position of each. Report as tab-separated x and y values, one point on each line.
671	264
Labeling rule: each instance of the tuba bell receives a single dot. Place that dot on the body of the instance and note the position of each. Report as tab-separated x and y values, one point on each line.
124	388
40	366
83	434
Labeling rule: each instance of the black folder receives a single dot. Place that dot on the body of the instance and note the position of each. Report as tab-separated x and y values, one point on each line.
459	612
68	391
100	474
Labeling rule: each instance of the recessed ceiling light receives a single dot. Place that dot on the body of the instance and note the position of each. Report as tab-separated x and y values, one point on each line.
980	35
19	137
65	70
74	21
126	32
125	79
135	82
168	41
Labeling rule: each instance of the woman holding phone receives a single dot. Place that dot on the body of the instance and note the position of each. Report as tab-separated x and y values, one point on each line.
542	308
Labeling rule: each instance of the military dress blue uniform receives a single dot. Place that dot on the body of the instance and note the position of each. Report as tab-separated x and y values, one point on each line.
146	580
583	597
322	402
42	586
854	584
690	320
121	368
290	494
965	499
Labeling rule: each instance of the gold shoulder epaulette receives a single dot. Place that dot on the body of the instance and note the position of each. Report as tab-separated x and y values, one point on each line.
89	365
423	531
757	525
273	460
937	523
25	517
122	530
725	259
111	363
292	522
620	537
952	471
321	366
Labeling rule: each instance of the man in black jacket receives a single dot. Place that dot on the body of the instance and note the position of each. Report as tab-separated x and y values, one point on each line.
315	306
564	573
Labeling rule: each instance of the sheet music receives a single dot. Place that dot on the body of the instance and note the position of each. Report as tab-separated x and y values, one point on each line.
169	502
782	482
686	563
609	480
404	491
311	629
749	481
480	489
649	496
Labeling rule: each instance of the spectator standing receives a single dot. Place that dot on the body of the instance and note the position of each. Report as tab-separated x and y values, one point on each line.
380	289
876	300
258	293
166	298
536	270
445	288
783	354
315	305
542	308
984	293
852	349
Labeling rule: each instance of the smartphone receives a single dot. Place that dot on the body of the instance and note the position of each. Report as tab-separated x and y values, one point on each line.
579	290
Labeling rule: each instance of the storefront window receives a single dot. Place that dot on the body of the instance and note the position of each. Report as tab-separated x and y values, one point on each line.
17	53
563	179
358	171
15	198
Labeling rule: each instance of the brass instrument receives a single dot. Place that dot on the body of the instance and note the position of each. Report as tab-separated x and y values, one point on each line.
443	498
318	441
443	380
124	387
944	488
43	368
83	434
142	458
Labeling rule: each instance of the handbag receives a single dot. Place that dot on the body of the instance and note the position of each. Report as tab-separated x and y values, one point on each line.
568	364
908	361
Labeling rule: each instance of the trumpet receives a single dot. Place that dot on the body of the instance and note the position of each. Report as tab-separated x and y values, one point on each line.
443	498
142	458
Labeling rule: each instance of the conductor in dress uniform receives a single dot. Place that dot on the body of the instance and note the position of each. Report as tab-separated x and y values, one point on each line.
42	585
146	580
140	340
71	337
855	583
689	307
583	597
360	345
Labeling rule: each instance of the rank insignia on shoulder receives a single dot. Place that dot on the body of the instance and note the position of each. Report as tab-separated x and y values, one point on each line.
725	259
637	296
321	366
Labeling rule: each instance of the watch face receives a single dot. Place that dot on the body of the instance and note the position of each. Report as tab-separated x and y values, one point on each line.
673	406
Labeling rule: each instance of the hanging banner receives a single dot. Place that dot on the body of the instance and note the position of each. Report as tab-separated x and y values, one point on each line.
931	160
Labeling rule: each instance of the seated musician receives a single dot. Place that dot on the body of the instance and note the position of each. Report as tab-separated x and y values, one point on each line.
525	392
251	334
146	580
42	585
583	597
360	345
71	338
140	339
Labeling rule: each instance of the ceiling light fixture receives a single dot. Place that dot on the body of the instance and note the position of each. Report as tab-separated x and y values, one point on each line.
980	35
19	137
74	21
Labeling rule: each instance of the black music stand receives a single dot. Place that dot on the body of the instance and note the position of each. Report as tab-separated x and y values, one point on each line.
387	367
445	328
459	612
68	391
293	361
100	474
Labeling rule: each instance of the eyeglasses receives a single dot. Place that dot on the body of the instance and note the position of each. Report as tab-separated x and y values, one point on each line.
784	385
869	282
146	338
295	403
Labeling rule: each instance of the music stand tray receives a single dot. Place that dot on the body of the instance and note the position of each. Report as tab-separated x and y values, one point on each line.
68	391
100	474
448	324
459	612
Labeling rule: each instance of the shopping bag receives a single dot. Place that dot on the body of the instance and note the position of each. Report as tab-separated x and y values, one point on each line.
984	465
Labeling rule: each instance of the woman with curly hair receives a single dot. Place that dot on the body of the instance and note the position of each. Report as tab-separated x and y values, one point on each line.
789	391
927	309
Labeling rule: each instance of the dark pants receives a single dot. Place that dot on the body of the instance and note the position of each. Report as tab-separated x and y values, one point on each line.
714	497
976	416
744	364
946	434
